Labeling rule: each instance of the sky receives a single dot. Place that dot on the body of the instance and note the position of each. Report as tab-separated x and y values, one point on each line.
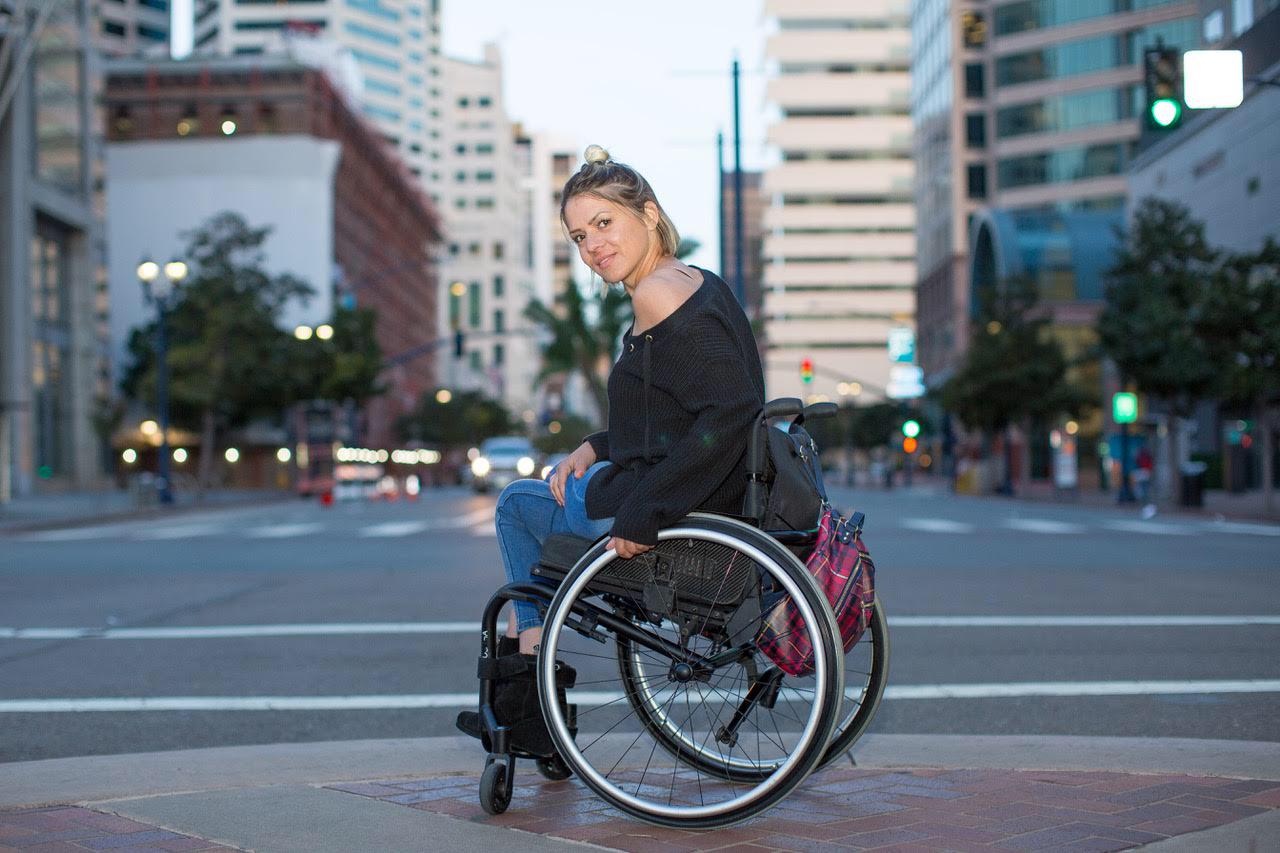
650	82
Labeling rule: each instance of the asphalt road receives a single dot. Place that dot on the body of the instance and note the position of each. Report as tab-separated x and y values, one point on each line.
1179	622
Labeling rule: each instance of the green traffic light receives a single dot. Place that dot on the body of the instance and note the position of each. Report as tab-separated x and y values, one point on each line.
1165	111
911	429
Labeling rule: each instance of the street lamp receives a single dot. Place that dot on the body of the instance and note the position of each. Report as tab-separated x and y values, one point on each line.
158	290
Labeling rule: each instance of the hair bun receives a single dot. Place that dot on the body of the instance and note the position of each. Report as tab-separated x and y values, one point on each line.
595	154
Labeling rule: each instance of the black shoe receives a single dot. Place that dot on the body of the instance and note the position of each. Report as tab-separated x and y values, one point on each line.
516	705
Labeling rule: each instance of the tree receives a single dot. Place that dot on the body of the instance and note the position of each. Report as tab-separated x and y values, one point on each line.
1013	371
467	419
345	367
228	360
1240	325
1155	294
586	333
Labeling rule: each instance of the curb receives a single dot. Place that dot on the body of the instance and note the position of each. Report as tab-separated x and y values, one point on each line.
111	777
72	522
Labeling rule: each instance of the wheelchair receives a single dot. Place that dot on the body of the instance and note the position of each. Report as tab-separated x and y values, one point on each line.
677	717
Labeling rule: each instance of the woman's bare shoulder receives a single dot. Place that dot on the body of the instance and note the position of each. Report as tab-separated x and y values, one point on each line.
660	293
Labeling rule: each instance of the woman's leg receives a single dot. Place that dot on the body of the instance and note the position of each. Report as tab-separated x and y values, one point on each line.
526	515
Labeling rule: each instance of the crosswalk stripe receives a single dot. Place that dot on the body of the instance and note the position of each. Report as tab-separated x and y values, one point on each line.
283	531
1042	525
936	525
394	528
203	632
1148	527
602	697
180	531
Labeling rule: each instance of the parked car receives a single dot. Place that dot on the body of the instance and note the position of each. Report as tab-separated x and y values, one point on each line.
502	460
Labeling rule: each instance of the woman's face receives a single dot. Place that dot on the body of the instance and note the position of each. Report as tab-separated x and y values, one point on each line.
611	240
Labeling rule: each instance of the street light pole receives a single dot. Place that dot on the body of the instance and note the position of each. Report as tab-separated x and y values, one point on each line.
158	289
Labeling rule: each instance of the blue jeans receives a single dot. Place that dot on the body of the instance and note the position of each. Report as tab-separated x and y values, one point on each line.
527	514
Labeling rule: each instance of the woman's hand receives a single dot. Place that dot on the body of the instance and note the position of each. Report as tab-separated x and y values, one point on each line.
577	464
625	548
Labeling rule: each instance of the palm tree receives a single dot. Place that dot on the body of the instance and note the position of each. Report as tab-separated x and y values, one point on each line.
586	332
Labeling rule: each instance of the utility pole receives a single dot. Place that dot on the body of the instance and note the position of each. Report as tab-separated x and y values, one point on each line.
739	284
720	195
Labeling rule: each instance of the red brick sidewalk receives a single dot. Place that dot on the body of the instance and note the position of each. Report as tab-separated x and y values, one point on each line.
996	811
70	829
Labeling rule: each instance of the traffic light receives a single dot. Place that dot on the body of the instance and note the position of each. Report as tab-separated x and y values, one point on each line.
909	444
1162	76
459	343
806	371
911	429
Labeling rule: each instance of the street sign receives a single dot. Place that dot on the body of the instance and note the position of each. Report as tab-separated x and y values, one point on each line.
902	345
1213	79
1124	407
905	382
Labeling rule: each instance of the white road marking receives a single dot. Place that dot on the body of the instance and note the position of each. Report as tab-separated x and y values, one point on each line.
394	528
935	525
1240	527
1148	527
180	531
485	530
600	697
71	535
1042	525
206	632
283	531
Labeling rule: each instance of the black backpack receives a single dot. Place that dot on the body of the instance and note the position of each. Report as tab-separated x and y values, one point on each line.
797	496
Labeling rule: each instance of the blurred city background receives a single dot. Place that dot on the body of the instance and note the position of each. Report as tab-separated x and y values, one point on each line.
285	301
294	245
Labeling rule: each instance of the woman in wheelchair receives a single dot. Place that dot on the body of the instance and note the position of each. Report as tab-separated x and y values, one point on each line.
682	397
644	561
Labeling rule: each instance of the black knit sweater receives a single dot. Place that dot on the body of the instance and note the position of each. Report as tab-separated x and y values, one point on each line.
680	443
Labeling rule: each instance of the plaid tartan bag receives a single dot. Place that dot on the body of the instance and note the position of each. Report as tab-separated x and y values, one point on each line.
844	571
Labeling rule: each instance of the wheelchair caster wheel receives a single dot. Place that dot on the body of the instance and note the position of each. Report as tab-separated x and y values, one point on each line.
495	788
554	768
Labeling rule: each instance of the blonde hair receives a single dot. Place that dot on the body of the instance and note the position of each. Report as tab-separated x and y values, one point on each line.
605	178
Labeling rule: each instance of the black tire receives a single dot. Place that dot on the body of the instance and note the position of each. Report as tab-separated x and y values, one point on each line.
554	768
785	761
867	662
495	788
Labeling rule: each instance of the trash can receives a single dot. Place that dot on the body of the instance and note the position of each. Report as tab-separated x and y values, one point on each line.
1193	483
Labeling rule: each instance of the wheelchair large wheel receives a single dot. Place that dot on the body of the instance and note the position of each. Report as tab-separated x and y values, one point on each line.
866	668
866	671
715	738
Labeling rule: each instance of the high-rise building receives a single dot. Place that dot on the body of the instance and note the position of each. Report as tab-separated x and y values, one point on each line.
127	27
1030	108
840	237
52	362
754	205
487	275
394	43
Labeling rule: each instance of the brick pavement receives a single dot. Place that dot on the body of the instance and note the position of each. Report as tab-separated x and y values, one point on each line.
71	829
904	811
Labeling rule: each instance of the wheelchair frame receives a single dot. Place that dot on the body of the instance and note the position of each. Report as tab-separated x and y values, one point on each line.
824	737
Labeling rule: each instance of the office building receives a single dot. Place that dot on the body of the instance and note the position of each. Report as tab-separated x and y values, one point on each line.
840	240
274	141
130	27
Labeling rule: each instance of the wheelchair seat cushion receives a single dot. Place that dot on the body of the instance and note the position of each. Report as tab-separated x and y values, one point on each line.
562	550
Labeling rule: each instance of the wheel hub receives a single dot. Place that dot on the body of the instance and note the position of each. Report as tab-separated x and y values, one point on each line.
682	673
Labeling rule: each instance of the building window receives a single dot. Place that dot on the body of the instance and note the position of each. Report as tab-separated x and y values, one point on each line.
484	148
1062	165
51	350
484	203
499	250
974	26
1214	28
463	103
974	80
152	33
498	355
484	101
499	321
460	176
460	203
977	175
474	361
455	310
473	249
499	285
453	249
484	177
473	306
460	148
1068	112
975	130
373	33
111	28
